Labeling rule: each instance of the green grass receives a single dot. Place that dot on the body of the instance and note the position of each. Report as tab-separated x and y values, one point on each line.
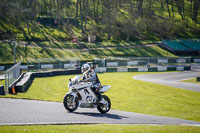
99	129
2	82
193	80
135	52
31	53
126	94
71	45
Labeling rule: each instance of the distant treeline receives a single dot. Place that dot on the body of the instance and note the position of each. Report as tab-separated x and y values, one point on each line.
108	19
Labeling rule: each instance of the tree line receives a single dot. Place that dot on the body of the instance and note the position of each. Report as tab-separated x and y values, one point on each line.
119	19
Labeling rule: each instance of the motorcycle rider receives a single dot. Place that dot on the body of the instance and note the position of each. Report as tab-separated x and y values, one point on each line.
89	75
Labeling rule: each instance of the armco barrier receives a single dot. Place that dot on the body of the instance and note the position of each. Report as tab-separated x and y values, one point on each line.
144	69
27	79
2	68
24	83
180	68
132	69
153	69
198	79
171	68
134	62
162	68
119	69
111	69
122	63
2	92
187	68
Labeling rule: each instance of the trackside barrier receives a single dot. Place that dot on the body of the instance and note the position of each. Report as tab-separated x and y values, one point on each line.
26	81
198	79
114	62
144	69
2	92
11	75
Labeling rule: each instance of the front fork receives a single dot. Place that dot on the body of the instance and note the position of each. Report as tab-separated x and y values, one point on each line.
74	94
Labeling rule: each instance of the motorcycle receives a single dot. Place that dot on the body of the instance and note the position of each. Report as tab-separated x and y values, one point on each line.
81	95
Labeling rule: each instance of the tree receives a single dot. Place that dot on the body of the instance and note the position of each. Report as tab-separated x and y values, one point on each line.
180	5
196	4
168	8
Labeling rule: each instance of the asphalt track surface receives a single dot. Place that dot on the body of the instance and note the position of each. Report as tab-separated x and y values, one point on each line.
172	79
30	112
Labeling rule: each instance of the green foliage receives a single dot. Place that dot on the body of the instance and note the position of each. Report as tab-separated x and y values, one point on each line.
114	23
127	20
126	94
100	129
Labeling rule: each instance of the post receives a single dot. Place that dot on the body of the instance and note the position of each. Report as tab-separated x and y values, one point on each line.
14	54
14	44
6	82
60	65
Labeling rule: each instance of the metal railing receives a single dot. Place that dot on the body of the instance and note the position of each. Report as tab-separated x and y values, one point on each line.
11	75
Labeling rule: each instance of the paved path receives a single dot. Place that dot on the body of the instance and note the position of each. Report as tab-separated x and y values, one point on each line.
172	79
26	112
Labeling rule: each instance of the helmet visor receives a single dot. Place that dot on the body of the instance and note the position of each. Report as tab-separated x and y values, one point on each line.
84	70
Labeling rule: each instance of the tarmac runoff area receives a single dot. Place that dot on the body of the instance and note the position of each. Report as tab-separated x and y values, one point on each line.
32	112
172	79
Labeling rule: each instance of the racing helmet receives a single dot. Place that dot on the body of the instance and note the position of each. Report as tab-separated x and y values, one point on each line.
85	68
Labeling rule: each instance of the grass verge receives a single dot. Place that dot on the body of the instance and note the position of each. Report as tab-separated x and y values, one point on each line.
99	129
126	94
2	82
193	80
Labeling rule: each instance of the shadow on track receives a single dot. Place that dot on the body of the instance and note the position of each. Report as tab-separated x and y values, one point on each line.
100	115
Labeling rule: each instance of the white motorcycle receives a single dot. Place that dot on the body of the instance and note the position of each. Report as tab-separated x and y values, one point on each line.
81	95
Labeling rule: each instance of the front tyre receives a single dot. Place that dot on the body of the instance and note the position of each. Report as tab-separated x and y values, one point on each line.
105	107
69	104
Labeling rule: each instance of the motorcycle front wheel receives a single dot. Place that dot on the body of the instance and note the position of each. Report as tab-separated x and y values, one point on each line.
104	108
69	104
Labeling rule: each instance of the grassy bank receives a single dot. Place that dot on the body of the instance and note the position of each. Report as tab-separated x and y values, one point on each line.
126	94
29	53
154	51
71	45
99	129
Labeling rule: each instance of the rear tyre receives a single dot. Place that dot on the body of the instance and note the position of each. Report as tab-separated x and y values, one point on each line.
104	108
69	104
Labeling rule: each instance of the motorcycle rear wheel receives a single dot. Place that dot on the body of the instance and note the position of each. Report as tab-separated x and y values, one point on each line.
68	104
104	108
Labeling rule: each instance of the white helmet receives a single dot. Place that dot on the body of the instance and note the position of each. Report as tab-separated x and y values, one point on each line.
85	68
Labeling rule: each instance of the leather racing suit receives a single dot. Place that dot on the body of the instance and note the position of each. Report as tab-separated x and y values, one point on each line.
91	76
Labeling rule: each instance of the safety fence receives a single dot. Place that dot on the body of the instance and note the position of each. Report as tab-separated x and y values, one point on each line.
143	69
135	62
27	78
11	75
